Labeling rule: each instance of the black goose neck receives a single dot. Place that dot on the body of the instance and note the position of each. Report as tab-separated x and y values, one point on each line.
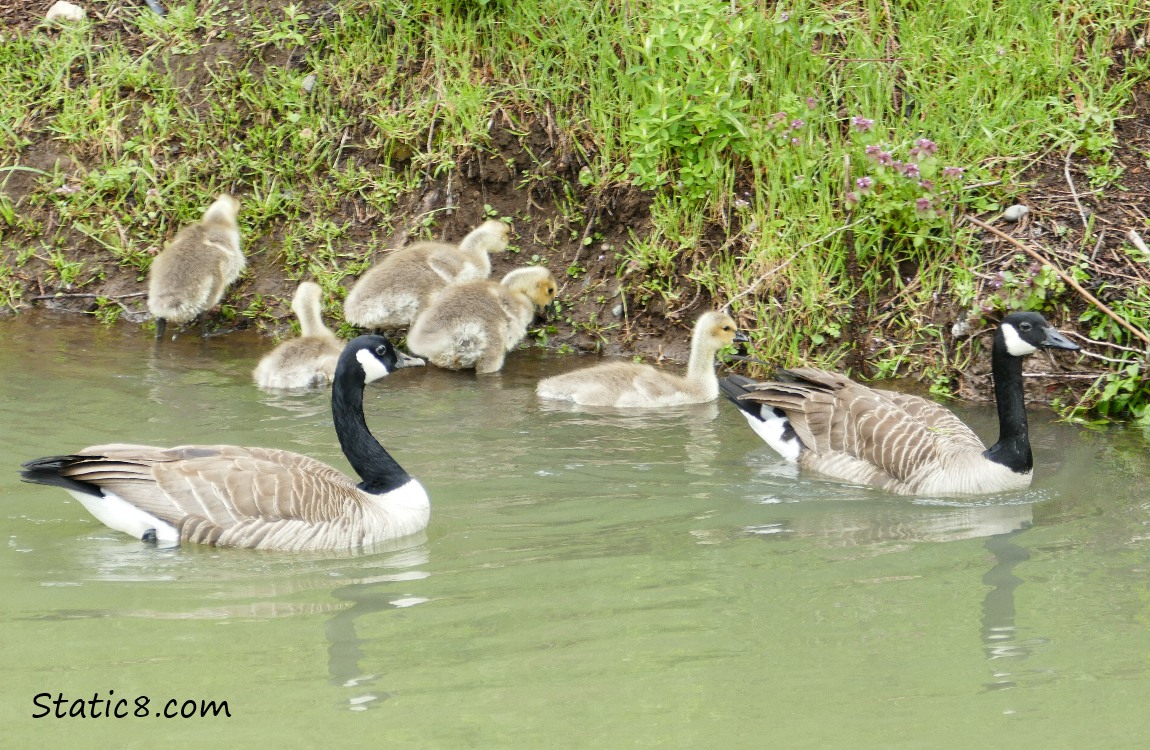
374	465
1013	447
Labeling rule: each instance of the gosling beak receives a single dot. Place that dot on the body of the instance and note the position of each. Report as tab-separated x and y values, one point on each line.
406	360
741	337
1055	340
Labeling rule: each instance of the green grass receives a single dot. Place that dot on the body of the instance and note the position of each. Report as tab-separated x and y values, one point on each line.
740	123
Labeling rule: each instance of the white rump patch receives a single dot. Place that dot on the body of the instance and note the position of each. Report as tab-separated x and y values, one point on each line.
373	369
1015	343
117	513
771	430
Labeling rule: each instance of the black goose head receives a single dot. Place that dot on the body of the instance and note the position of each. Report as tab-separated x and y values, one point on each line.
1023	333
375	357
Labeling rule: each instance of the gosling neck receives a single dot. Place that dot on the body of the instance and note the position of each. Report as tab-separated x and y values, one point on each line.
701	365
311	321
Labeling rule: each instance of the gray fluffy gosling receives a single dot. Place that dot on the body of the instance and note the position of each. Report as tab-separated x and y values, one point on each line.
477	323
904	444
189	277
391	294
262	498
626	384
309	360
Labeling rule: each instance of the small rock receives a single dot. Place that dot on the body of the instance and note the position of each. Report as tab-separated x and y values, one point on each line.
961	329
307	84
1015	212
617	310
65	11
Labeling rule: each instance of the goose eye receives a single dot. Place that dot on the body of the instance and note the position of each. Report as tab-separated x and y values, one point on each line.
1024	326
381	350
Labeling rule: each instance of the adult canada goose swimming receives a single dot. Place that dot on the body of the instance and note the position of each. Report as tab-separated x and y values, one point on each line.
262	498
477	323
189	277
626	384
308	361
901	443
391	294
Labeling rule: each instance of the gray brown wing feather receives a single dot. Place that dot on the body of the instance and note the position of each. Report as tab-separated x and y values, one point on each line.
223	486
897	433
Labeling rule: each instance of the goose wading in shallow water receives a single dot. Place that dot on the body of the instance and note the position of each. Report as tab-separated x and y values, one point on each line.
627	384
904	444
189	276
262	498
477	323
391	294
307	361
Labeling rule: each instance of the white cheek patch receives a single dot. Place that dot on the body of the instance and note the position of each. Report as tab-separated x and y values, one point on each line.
373	369
1014	343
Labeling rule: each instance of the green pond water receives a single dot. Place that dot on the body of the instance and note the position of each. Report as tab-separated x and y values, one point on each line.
597	578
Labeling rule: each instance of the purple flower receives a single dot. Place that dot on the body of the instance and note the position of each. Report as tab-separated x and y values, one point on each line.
923	147
872	151
778	117
909	170
864	184
851	198
885	159
795	141
861	124
796	124
785	17
812	103
922	205
953	173
926	184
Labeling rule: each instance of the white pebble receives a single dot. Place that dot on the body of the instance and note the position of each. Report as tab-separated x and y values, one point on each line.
307	84
1015	212
64	11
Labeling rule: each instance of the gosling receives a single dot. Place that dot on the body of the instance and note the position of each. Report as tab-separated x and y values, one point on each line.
308	361
475	324
390	295
189	277
630	385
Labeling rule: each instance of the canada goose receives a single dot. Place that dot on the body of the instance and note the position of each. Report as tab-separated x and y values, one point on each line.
627	384
262	498
390	295
901	443
189	277
477	323
308	361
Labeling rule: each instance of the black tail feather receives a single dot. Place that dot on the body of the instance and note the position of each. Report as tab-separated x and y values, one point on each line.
735	386
47	471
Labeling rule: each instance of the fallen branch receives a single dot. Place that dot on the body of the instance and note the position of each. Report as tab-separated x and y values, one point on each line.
1073	191
61	295
1063	275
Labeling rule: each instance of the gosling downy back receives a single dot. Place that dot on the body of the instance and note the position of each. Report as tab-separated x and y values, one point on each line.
307	361
902	443
475	324
392	293
189	276
626	384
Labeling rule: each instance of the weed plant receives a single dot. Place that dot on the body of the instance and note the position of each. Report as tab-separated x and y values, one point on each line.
762	129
